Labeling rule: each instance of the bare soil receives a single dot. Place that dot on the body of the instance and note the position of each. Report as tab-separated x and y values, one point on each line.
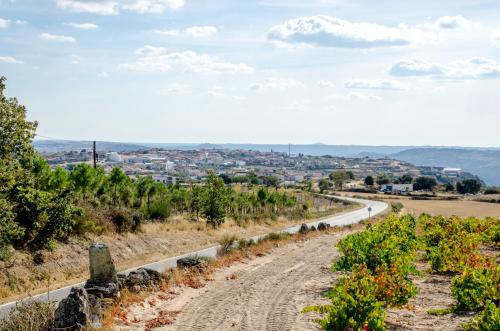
270	292
67	265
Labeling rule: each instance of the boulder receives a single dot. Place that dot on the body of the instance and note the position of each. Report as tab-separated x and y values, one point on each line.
141	279
73	312
191	262
303	228
102	267
100	290
323	226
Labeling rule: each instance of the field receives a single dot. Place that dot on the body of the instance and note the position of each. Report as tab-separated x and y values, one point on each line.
464	207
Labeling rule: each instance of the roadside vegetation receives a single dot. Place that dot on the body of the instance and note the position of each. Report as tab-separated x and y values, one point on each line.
40	206
379	263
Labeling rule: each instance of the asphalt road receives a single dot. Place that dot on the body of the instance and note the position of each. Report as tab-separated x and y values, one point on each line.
371	208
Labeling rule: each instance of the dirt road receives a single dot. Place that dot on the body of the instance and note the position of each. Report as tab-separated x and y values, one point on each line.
265	293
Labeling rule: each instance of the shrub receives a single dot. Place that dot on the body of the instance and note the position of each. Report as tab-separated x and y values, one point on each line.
158	210
227	244
475	287
488	320
353	304
29	315
394	288
125	220
396	207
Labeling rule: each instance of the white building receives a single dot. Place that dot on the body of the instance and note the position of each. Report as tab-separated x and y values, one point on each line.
397	188
165	179
113	157
452	172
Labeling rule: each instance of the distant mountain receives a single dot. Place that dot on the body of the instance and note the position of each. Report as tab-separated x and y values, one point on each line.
484	163
54	146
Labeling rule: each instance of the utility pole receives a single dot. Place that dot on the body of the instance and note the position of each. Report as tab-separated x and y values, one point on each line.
95	156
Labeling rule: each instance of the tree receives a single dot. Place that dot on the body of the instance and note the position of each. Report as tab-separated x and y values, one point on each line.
339	177
16	133
449	187
425	183
406	179
468	186
323	185
215	202
369	181
82	176
145	188
196	201
383	179
271	181
116	179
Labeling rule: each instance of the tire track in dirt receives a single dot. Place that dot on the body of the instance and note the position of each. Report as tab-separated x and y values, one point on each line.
269	297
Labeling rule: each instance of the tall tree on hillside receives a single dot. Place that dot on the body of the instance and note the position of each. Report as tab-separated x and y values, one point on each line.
425	183
215	202
369	181
470	186
340	176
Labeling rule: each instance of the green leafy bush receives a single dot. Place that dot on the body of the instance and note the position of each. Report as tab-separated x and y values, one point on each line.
488	320
475	287
354	305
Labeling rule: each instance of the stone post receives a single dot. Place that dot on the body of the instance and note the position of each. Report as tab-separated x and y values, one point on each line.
102	267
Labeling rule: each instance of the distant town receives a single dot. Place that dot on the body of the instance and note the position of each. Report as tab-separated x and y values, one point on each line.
171	166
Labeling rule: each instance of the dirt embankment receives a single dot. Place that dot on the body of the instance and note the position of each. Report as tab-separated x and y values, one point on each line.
26	274
270	292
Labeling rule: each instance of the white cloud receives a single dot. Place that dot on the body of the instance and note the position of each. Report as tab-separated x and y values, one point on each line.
83	26
325	84
103	75
170	33
10	60
4	23
21	22
496	38
354	97
274	83
201	31
471	69
59	38
176	89
329	31
194	31
159	59
452	22
113	7
378	84
75	59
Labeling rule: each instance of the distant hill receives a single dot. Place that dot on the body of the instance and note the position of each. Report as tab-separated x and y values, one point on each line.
54	146
484	163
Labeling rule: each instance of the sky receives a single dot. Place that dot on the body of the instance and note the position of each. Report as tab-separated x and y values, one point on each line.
355	72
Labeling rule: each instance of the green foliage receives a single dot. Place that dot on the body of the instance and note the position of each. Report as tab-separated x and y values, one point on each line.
340	176
396	207
215	211
488	320
475	287
369	181
425	183
125	220
470	186
323	185
159	210
354	305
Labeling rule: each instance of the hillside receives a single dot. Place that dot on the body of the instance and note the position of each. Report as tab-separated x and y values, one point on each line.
484	163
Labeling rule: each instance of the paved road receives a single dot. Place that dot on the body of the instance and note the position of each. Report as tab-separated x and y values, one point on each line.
376	207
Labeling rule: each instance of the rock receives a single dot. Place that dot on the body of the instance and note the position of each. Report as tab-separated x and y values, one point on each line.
73	312
312	228
100	290
323	226
141	279
102	267
190	262
303	228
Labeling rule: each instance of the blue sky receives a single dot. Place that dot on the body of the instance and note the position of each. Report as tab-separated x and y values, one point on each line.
269	71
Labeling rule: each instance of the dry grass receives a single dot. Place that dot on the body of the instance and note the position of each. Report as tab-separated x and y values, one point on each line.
29	315
449	208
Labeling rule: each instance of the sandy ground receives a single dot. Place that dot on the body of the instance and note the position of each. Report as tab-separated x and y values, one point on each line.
449	208
269	293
